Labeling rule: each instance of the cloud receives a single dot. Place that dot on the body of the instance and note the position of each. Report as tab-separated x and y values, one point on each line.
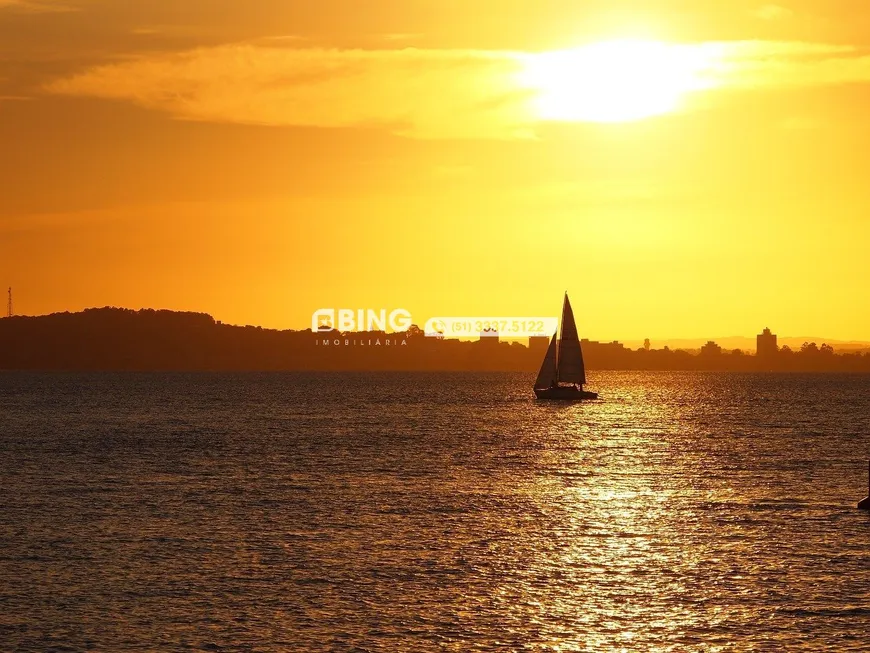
451	94
421	93
401	36
764	64
36	6
773	12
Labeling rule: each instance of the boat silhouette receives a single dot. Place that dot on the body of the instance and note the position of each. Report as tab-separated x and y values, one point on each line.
563	373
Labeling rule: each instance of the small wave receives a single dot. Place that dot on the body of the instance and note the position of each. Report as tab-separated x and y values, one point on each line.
853	611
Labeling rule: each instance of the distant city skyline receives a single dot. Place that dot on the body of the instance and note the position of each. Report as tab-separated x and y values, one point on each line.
121	339
727	343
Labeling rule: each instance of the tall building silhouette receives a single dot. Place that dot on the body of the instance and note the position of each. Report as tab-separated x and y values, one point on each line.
766	346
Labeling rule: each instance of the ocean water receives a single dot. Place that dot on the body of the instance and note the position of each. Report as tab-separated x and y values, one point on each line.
433	512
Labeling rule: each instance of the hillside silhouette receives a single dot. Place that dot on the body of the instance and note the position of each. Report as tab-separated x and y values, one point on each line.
160	340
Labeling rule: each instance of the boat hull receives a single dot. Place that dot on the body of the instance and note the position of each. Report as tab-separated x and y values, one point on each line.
569	393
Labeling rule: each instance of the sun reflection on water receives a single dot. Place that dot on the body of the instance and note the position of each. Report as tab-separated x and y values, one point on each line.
679	513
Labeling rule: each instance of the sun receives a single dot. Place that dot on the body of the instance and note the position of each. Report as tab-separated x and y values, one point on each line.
614	81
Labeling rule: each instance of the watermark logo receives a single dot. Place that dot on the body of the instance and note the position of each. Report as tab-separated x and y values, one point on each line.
435	328
362	319
506	327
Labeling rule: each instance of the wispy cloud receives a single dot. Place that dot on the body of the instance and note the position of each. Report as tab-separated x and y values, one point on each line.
36	6
413	92
756	64
773	12
421	93
401	36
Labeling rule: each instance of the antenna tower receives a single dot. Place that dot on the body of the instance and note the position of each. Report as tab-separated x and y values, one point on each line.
9	312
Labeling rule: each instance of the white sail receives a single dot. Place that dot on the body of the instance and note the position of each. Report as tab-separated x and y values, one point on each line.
569	363
547	375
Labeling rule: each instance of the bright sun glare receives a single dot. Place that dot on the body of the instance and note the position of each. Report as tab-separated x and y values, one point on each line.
615	81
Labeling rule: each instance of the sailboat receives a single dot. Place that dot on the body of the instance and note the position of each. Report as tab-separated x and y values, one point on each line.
563	374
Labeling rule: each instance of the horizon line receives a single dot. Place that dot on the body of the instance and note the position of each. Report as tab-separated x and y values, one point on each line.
818	339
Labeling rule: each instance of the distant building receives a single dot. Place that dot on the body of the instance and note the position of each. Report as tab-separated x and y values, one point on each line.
593	346
604	355
711	349
766	345
539	344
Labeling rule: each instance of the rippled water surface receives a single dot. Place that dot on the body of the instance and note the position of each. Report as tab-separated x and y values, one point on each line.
416	512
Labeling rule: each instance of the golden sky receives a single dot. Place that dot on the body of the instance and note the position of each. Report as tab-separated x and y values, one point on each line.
683	168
